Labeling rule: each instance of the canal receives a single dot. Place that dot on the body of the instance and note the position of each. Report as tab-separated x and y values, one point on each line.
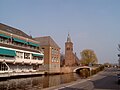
39	82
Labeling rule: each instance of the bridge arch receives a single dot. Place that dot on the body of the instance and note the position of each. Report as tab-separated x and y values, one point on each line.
84	71
83	67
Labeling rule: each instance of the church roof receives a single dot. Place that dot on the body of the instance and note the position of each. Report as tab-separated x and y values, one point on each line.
76	58
47	40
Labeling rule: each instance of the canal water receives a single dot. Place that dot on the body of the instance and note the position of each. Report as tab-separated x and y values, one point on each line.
38	83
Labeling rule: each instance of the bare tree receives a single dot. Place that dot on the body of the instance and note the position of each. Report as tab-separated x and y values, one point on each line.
88	57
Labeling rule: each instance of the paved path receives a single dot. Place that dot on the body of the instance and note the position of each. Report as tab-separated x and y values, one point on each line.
105	80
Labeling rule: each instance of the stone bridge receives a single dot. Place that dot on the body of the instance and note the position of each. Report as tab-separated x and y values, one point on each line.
75	69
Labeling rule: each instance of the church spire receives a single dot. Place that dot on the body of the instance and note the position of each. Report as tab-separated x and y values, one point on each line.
68	38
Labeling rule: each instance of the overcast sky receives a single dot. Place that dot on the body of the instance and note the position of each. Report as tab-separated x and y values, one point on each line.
92	24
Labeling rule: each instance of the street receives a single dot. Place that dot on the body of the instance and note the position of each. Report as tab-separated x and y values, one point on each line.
105	80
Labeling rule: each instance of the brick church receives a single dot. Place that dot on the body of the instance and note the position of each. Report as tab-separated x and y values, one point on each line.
70	58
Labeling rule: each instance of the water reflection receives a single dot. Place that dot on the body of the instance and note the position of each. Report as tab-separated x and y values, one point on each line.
37	83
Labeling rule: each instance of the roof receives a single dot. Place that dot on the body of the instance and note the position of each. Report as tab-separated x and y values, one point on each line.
76	58
47	40
13	31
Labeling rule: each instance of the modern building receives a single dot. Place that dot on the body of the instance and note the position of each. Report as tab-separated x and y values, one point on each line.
51	54
18	51
70	58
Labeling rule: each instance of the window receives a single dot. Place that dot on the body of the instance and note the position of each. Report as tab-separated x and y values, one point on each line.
3	67
40	58
57	59
19	54
1	39
37	58
26	55
68	48
52	59
52	51
4	40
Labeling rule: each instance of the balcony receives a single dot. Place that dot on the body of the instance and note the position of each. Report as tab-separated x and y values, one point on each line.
8	44
22	61
7	59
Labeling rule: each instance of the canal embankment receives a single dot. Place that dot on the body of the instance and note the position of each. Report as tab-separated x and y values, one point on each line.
11	75
64	70
72	83
47	82
84	74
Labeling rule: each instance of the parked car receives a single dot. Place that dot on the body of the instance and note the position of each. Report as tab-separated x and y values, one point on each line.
118	75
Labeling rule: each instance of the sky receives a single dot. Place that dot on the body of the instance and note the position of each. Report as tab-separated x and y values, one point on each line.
92	24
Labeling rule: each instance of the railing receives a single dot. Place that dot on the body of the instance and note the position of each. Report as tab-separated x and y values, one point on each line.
7	58
22	61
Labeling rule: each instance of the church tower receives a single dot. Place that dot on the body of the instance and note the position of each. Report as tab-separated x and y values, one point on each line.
69	57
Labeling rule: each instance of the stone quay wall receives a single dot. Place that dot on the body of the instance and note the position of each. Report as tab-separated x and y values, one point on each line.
66	70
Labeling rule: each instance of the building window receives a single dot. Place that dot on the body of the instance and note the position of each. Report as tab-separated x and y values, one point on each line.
3	67
26	55
57	59
40	58
37	48
52	51
4	40
19	54
68	49
52	59
37	58
1	39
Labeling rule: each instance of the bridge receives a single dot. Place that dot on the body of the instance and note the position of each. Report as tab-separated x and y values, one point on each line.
83	70
78	68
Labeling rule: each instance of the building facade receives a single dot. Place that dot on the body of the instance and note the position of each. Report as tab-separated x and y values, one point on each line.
51	54
18	51
70	58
